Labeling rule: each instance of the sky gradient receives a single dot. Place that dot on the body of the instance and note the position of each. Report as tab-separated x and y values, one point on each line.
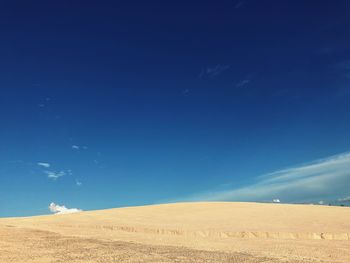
121	103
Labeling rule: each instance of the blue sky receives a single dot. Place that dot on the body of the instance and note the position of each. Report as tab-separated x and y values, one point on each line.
122	103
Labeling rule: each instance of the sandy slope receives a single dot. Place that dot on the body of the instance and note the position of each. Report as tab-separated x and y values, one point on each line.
184	232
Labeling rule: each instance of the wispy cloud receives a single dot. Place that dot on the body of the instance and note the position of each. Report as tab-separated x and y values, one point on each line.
344	199
214	71
77	147
44	104
78	183
55	175
324	179
239	4
45	165
186	92
242	83
61	209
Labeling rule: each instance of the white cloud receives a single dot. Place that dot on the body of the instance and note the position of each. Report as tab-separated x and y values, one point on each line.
215	70
55	175
78	183
322	179
77	147
242	83
58	209
46	165
344	199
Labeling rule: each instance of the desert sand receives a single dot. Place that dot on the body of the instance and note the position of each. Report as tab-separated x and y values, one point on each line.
182	232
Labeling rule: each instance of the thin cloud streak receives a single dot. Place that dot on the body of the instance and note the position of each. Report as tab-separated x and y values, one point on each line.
77	147
214	71
55	175
46	165
242	83
345	199
323	179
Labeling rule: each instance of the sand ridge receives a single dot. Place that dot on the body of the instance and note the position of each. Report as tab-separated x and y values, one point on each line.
286	232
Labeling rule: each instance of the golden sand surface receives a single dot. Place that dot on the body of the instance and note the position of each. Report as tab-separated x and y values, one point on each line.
182	232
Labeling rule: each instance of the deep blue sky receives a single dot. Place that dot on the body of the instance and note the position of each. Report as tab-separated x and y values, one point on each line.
165	99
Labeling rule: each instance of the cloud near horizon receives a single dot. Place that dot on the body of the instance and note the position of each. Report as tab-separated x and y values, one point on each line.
324	179
61	209
344	199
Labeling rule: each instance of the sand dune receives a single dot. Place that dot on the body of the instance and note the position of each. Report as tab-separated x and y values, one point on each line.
183	232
